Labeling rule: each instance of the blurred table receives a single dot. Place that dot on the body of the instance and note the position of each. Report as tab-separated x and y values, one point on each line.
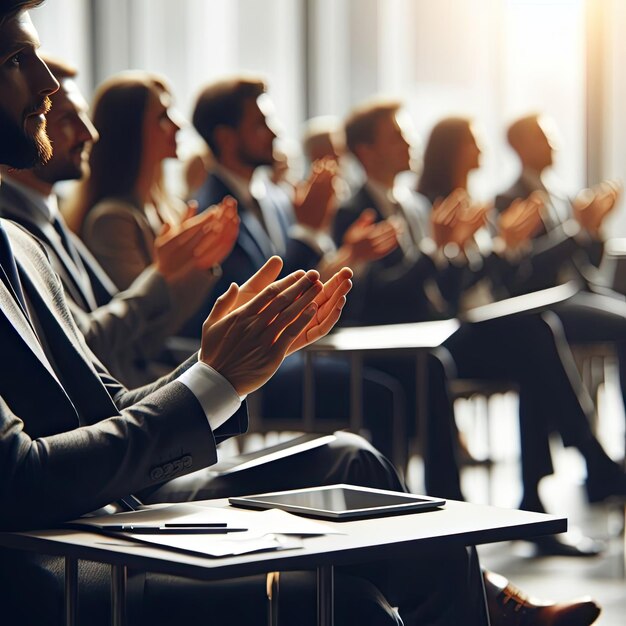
416	338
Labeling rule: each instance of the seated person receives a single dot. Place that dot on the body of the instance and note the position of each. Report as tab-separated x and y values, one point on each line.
525	349
567	245
127	330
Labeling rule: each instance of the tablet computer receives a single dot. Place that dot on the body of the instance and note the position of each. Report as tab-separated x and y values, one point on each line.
340	502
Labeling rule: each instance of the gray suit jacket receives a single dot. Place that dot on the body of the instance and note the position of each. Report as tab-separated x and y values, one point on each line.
125	329
120	236
555	254
72	438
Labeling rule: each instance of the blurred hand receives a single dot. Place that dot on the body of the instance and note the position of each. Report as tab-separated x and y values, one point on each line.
198	242
591	206
521	220
368	240
315	198
248	344
455	220
471	217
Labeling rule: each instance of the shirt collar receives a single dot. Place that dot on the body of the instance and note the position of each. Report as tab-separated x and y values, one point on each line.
239	185
46	205
532	179
382	196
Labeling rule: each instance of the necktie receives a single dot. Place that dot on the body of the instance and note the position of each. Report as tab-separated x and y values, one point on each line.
75	267
8	269
65	238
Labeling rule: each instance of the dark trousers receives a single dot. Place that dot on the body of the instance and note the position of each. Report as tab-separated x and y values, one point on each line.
591	318
283	396
529	350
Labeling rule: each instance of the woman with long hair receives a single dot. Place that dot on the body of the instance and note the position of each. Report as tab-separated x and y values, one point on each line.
122	208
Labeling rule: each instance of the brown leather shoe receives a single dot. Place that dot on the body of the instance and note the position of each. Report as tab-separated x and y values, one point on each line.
508	606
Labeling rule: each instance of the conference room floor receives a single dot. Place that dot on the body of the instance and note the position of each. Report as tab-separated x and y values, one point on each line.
556	578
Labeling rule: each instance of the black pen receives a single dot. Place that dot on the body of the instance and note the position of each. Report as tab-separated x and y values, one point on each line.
173	530
196	525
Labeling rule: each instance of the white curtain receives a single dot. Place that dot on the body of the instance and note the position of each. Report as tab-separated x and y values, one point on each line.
488	59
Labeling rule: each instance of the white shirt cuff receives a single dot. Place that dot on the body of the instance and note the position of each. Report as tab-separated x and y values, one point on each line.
216	395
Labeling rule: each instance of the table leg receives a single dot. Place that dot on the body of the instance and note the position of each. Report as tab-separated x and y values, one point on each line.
119	576
308	391
272	587
421	397
356	392
325	595
71	591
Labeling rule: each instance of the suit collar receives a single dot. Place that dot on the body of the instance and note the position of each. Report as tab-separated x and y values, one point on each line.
15	317
21	206
252	237
239	185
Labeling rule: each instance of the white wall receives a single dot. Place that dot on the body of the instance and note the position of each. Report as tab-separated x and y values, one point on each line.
488	59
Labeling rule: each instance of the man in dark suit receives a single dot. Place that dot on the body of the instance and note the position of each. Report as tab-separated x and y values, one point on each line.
126	329
233	116
568	245
524	348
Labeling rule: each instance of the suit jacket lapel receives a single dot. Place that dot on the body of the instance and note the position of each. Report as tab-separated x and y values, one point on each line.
252	238
102	286
71	269
19	208
14	317
277	221
82	383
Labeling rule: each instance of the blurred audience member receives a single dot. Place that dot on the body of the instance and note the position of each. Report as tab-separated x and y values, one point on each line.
523	348
234	116
195	170
123	202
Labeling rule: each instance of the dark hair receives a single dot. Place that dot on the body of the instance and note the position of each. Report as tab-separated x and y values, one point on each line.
222	103
9	8
440	157
519	128
360	126
118	109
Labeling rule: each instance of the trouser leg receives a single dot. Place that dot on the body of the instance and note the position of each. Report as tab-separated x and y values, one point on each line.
348	459
173	600
443	587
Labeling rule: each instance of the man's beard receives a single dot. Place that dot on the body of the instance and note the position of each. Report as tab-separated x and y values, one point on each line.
59	168
254	160
20	150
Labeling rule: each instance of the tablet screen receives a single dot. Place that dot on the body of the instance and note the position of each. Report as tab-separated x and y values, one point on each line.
340	502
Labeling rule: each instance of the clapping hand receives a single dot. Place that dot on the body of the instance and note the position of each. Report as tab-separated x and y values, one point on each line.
521	220
327	304
454	219
591	206
198	242
248	344
315	198
368	240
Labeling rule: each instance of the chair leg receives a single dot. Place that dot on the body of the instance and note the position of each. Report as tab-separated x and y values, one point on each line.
272	590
